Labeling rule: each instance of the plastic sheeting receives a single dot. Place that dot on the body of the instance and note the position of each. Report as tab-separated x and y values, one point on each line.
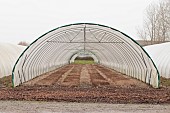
9	53
111	47
160	54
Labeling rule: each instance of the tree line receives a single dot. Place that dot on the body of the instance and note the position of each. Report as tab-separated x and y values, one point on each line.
156	26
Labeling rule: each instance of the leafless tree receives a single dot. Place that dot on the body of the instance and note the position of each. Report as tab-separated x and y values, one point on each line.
151	22
142	34
156	27
163	21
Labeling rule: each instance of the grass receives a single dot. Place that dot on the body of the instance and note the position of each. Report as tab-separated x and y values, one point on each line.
84	62
6	81
165	82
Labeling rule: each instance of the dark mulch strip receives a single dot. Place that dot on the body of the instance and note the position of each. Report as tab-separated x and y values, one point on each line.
93	94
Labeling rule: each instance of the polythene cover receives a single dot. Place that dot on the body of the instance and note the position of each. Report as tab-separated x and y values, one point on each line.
160	54
9	53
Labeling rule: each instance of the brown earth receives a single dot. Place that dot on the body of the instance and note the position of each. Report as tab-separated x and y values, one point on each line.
86	83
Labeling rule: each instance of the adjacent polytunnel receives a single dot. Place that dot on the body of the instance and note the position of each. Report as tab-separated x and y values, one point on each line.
9	53
111	47
161	56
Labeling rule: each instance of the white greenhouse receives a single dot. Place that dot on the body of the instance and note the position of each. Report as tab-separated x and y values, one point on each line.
9	53
111	48
160	54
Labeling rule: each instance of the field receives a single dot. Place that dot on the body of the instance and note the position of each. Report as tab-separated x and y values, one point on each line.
85	83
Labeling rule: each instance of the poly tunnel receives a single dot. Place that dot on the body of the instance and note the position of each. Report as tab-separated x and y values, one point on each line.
111	47
160	54
9	53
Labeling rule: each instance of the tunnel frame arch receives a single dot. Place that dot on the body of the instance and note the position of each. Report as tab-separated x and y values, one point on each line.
99	61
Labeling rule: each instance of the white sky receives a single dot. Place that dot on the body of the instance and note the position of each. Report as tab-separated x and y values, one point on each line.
28	19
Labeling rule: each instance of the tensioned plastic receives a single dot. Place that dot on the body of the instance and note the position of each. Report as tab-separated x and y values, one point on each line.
113	49
9	53
160	53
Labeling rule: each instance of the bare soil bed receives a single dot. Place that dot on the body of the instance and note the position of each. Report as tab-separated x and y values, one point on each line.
86	83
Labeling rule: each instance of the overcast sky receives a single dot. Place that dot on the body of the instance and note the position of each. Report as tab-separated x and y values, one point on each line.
28	19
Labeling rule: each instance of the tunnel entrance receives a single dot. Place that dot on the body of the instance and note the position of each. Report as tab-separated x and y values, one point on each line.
84	60
84	57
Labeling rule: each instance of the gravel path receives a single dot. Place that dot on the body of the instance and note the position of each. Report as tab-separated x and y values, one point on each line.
61	107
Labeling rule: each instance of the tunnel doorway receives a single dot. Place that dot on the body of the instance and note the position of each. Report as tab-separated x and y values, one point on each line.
84	57
84	60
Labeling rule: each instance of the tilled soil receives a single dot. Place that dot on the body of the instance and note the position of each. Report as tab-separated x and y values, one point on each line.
86	83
